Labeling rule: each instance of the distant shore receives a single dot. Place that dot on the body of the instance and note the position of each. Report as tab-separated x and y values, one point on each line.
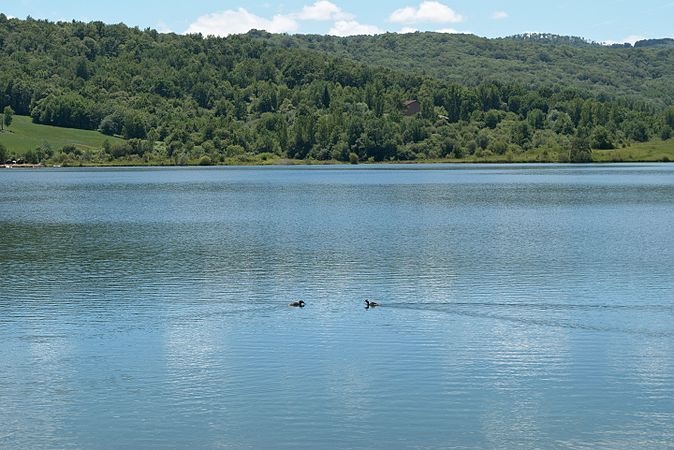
308	163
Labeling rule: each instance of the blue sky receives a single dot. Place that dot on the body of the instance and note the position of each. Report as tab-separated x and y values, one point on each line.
604	21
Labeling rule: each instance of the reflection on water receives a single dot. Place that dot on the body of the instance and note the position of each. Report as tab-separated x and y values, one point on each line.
522	306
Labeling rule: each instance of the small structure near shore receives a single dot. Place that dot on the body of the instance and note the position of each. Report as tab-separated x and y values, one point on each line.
411	107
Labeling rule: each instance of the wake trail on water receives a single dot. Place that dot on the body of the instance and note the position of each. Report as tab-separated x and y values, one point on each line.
460	309
513	312
542	306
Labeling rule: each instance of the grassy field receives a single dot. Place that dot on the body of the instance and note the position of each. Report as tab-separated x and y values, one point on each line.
23	135
643	152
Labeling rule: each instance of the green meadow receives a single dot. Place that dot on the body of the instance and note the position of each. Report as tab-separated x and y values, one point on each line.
643	152
24	135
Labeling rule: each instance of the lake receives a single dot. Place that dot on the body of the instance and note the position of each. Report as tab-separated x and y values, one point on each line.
522	306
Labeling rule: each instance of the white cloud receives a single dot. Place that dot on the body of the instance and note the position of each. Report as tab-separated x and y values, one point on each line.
631	39
406	30
323	10
500	15
240	21
426	12
453	31
163	28
352	28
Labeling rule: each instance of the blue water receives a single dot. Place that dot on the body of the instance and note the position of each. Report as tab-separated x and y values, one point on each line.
522	306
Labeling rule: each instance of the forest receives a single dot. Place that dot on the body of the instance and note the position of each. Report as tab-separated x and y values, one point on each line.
190	99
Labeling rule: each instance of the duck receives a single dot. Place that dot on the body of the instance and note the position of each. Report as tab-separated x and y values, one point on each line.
299	304
369	304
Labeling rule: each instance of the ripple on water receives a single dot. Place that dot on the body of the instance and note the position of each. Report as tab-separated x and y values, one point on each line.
522	306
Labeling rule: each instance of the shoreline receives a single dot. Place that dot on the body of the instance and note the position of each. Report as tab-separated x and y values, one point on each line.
295	163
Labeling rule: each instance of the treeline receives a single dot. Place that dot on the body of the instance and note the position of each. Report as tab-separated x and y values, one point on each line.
181	99
644	73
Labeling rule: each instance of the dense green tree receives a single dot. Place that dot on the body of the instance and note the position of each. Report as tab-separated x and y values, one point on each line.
493	117
520	133
637	130
378	139
82	69
666	133
561	122
452	102
112	124
325	98
580	150
669	117
303	134
536	119
488	96
7	117
601	138
67	110
135	126
498	147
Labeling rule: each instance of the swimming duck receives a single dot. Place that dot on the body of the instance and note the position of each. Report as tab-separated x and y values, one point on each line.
370	304
299	304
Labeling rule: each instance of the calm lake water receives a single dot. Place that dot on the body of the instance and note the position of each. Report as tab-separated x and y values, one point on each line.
523	306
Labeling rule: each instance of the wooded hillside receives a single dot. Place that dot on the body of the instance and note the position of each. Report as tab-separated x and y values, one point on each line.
182	99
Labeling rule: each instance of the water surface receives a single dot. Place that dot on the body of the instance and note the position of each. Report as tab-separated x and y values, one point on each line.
523	306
